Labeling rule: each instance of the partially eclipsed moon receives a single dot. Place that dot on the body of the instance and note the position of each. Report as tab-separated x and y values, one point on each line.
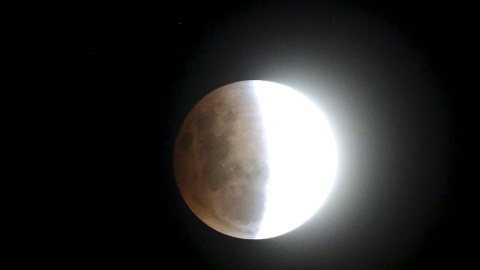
254	159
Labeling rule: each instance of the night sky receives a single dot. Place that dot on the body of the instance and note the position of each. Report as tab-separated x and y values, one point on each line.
386	75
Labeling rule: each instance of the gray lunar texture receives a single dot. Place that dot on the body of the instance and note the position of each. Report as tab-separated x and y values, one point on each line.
220	161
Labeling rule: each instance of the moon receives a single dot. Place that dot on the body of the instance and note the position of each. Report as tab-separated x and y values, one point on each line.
255	159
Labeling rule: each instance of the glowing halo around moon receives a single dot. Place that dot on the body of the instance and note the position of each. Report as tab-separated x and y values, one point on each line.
255	159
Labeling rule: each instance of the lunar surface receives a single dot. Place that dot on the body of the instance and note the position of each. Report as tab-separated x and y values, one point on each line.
254	159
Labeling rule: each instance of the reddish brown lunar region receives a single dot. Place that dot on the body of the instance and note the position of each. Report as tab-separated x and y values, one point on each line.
220	161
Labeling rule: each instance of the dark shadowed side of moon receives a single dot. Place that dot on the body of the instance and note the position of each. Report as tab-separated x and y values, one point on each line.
220	161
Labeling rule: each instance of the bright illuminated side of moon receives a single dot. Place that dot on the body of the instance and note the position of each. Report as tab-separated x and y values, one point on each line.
302	158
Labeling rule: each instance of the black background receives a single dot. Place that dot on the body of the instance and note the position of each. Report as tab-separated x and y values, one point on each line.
387	75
